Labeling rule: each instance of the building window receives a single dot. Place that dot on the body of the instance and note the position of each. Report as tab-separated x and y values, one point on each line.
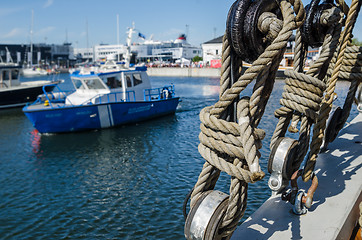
217	52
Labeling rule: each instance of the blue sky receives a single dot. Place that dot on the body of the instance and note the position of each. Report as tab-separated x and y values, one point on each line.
165	20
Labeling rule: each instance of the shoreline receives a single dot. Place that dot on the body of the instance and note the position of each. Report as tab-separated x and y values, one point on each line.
183	72
190	72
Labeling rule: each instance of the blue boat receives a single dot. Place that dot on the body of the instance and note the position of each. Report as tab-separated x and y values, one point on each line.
109	97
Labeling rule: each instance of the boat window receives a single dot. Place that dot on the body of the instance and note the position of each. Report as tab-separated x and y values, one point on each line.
78	84
112	82
14	74
6	75
128	79
119	83
94	83
137	79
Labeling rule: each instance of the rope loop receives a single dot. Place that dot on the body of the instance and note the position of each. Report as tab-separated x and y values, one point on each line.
302	93
222	141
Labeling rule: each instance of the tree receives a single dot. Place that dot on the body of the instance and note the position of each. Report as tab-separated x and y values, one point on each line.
197	59
356	42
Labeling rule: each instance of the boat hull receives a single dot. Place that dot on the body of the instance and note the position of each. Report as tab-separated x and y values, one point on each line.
21	96
96	116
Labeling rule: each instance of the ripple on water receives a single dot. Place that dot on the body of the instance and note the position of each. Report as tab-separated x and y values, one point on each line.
122	183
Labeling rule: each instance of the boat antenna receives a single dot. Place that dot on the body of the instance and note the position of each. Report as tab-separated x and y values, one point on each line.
86	23
129	41
118	38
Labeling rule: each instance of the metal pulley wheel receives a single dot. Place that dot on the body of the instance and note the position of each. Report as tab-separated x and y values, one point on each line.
280	163
312	31
204	218
247	41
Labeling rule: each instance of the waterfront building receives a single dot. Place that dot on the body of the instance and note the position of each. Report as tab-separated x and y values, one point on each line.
211	51
83	54
61	54
148	51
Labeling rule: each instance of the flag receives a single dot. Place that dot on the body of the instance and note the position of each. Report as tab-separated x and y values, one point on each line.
140	35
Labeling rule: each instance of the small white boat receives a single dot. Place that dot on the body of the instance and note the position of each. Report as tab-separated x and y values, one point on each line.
33	72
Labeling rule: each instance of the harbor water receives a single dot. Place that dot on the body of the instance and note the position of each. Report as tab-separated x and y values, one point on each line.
127	182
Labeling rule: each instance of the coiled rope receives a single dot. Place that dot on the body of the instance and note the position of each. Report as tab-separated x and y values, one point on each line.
233	147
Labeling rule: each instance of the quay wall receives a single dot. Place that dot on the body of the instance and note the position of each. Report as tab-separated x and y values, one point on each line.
184	72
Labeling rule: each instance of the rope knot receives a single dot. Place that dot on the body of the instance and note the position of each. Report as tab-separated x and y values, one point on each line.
302	93
270	25
331	16
221	142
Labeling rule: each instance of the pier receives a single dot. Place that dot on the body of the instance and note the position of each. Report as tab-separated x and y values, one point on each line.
184	72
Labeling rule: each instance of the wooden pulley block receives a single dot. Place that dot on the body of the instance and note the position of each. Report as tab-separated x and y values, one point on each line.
247	41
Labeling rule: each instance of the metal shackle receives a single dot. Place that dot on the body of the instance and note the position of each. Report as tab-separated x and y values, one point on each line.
299	207
204	218
280	163
298	198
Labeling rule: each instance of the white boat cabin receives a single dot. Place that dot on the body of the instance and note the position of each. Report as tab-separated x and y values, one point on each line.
126	85
9	75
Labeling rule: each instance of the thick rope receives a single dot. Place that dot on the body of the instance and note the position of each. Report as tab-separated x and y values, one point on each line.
231	147
326	106
303	93
351	70
360	216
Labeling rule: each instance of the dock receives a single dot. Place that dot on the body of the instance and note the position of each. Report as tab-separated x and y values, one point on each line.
335	210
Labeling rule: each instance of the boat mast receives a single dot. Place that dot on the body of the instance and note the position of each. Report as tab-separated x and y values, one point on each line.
31	37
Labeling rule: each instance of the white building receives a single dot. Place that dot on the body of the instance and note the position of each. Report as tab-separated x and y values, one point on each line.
212	50
108	51
148	51
84	53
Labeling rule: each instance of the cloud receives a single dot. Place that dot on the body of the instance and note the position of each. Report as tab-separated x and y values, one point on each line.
14	33
48	3
45	30
8	11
